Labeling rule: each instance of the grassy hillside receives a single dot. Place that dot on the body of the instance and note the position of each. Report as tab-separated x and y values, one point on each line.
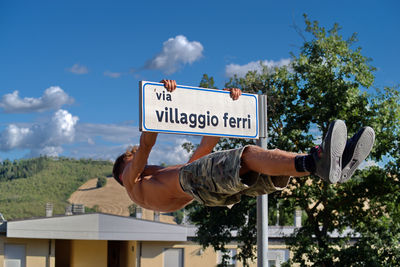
27	185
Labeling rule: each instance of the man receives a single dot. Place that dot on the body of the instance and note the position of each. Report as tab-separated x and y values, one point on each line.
221	178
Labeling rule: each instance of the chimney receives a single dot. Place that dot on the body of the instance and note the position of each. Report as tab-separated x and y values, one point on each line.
277	214
68	210
156	216
185	219
78	209
49	209
2	220
138	212
297	218
3	224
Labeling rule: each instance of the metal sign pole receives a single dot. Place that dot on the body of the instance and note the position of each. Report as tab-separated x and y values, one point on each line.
262	201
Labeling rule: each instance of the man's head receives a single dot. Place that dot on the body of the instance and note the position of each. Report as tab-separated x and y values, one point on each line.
121	161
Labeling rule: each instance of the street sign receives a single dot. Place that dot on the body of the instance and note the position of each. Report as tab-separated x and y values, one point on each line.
197	111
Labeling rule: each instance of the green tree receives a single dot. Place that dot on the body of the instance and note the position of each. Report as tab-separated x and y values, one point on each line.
178	215
207	82
101	181
21	168
328	79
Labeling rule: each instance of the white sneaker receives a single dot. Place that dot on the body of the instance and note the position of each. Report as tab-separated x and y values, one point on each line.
328	156
356	151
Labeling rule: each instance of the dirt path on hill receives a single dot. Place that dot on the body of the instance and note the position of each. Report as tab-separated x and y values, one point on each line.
112	198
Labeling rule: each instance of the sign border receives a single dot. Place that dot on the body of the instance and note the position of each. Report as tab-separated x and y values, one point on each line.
142	123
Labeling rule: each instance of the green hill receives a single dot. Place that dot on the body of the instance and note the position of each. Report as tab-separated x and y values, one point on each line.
27	185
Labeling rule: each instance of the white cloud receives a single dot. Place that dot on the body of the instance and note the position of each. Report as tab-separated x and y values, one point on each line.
41	139
112	74
78	69
51	151
118	134
103	152
90	141
53	98
63	135
241	70
368	163
175	52
14	137
168	148
170	153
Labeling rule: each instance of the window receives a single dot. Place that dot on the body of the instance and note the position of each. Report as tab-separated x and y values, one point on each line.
277	256
231	253
173	257
14	255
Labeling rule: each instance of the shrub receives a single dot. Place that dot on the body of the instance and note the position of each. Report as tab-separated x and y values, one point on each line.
101	181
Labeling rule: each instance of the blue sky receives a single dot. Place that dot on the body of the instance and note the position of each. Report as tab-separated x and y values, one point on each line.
69	70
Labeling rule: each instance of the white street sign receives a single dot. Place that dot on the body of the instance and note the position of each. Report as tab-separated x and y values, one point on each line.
198	111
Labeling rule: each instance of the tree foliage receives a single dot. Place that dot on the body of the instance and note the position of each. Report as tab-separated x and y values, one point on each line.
328	79
21	168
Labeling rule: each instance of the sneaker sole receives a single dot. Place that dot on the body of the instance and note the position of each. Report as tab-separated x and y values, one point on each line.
336	148
363	148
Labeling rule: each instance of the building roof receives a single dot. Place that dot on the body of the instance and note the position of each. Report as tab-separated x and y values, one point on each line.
96	226
100	226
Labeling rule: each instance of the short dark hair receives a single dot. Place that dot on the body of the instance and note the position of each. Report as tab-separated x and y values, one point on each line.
119	163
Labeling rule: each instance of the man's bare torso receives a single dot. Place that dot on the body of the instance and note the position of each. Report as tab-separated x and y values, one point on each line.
155	187
158	189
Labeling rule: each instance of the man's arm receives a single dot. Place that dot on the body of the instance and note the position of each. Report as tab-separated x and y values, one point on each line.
133	173
205	147
208	143
147	140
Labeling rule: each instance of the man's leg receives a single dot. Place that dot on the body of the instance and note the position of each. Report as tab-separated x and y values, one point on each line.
324	161
270	162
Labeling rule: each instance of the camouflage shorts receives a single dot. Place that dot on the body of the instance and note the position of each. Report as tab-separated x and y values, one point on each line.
214	180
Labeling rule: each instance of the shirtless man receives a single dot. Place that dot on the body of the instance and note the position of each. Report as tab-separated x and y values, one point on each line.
219	179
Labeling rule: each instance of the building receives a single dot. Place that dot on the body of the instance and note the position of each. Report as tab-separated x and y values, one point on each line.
98	240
